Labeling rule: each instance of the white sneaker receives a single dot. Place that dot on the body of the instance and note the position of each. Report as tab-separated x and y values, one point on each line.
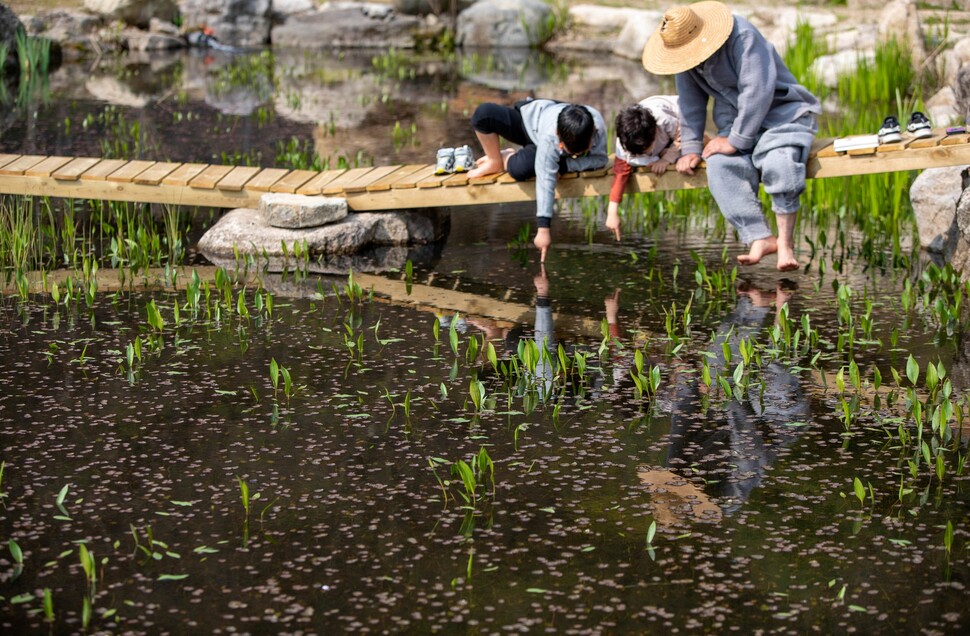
446	161
464	159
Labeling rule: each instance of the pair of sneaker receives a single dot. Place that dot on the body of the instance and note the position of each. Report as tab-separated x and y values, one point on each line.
919	126
451	160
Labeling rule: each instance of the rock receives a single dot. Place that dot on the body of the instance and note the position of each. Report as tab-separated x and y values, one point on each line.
615	18
73	31
935	194
828	67
899	20
9	25
943	108
138	40
431	7
247	231
134	12
348	27
282	9
296	210
504	24
960	257
629	44
243	23
165	28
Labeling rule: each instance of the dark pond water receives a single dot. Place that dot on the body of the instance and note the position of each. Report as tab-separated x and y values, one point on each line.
720	501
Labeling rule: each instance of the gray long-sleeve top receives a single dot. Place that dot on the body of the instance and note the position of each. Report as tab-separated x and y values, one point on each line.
752	89
540	117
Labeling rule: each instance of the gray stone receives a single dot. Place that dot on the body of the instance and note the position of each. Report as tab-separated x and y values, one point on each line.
348	27
934	195
828	68
504	24
72	30
634	36
233	22
431	7
134	12
138	40
297	210
247	231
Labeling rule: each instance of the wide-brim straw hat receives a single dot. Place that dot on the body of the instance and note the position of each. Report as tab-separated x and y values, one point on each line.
687	36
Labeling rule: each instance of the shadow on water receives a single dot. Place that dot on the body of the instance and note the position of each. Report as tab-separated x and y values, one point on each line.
396	453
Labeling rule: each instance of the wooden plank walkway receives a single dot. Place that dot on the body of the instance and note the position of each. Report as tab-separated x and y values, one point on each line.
400	187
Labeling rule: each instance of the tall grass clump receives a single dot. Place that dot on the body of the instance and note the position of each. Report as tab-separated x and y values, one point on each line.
878	204
33	55
18	237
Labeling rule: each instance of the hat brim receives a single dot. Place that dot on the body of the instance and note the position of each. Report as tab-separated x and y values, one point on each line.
716	25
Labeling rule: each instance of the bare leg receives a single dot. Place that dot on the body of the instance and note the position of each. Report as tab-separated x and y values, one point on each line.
786	242
492	161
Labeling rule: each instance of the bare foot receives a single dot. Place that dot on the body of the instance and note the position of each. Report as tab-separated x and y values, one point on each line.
759	249
786	258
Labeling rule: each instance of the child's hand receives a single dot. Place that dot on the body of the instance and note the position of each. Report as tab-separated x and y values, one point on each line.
659	166
613	219
542	241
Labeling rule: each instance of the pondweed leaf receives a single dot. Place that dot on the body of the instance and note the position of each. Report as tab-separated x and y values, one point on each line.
172	577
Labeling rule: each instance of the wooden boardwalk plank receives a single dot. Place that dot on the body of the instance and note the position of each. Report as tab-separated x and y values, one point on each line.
856	152
315	185
184	174
291	182
385	182
155	174
457	179
411	180
486	179
238	178
953	140
929	142
433	181
337	185
263	181
73	170
360	185
5	159
102	169
21	164
208	178
897	146
129	171
47	166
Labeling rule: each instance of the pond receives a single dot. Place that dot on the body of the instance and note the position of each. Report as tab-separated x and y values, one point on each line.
697	449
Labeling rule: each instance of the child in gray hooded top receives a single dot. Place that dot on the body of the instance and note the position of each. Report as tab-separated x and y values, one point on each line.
556	138
766	121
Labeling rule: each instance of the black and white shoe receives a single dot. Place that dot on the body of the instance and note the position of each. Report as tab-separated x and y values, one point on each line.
919	125
890	131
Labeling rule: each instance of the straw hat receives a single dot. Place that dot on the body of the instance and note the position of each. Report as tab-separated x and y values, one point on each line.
687	36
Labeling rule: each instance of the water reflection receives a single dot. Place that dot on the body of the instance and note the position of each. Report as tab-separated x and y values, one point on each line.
719	454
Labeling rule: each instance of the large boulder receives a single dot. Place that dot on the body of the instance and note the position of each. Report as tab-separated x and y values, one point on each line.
241	23
9	25
935	194
504	24
431	7
75	32
247	231
134	12
349	26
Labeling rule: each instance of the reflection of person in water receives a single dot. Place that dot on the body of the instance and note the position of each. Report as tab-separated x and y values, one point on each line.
731	448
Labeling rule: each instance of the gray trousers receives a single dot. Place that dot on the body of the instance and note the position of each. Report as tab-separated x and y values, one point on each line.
777	161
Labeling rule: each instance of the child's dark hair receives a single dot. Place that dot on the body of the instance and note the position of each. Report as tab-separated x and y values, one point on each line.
636	127
575	128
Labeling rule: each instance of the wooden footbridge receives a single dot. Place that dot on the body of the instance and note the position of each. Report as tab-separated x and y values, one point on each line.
400	187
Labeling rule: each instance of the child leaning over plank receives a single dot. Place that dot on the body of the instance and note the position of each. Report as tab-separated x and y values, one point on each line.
647	134
556	138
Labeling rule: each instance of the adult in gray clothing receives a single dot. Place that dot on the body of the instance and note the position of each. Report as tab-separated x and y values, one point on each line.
766	121
555	138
